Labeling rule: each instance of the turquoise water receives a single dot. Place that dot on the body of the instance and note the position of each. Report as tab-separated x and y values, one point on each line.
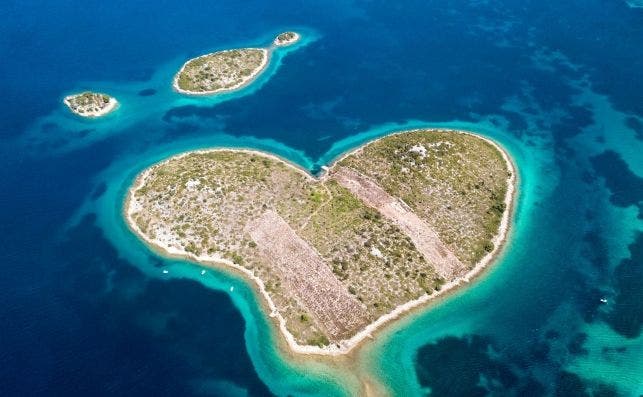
88	310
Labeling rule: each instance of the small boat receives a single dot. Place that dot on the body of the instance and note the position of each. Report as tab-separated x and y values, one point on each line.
231	289
202	272
166	271
603	300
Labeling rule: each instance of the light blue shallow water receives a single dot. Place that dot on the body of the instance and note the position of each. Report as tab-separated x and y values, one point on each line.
87	309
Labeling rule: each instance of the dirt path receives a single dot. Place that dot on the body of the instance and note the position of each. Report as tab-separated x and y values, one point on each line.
328	200
426	240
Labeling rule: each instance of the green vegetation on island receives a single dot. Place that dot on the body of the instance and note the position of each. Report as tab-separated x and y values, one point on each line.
457	183
286	38
387	224
220	71
226	70
90	104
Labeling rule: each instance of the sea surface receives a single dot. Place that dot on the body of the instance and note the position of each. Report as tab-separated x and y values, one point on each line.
86	309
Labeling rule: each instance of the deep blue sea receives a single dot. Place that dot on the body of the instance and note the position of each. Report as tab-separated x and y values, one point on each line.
85	308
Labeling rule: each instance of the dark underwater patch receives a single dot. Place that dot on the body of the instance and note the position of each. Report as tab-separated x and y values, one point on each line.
626	316
49	127
516	121
531	388
180	112
469	366
581	44
636	125
575	346
100	189
588	299
538	352
552	334
576	119
454	366
596	250
571	385
147	92
626	188
178	129
84	132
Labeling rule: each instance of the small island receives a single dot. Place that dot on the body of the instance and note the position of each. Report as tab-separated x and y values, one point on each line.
286	39
385	229
91	104
226	70
220	71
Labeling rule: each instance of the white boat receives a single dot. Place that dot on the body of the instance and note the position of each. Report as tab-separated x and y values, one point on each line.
166	271
231	289
603	300
202	272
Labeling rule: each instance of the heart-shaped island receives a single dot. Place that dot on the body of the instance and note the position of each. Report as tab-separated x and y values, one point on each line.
384	229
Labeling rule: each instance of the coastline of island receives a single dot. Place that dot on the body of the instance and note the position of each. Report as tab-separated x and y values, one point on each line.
286	38
231	77
90	104
346	346
241	84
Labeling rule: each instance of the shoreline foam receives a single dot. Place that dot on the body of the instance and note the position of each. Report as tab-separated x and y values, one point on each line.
348	345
